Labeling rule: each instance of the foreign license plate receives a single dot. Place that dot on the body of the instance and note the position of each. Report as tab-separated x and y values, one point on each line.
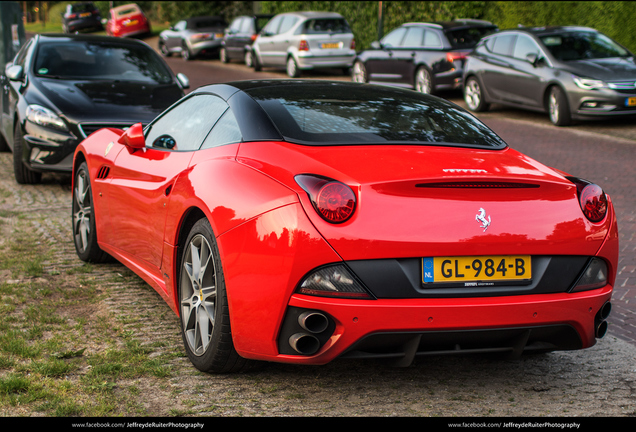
631	101
85	14
131	23
330	45
219	35
476	270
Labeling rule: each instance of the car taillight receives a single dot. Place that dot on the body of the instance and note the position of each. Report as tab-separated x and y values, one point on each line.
452	56
303	46
353	44
592	199
333	281
335	202
253	37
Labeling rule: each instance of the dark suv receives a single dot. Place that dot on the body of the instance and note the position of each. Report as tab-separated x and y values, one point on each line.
80	17
239	37
568	72
425	56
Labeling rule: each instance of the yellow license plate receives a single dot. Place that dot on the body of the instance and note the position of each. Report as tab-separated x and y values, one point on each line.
131	23
473	270
84	15
330	45
630	101
219	35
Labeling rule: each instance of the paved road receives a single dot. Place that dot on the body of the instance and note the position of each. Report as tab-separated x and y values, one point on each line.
604	153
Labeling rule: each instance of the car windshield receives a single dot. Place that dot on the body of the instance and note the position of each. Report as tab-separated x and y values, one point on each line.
99	61
330	114
582	46
326	25
467	37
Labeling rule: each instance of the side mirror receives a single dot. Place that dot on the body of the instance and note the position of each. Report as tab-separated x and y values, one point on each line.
376	45
184	82
14	72
133	137
534	59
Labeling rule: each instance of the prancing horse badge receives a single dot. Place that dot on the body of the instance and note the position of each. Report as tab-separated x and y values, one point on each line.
481	217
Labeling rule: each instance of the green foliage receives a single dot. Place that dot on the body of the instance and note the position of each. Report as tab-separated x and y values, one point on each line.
614	18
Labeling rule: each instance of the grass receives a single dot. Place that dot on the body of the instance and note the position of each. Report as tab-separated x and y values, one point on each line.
58	355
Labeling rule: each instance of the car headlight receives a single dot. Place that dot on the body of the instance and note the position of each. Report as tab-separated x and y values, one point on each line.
588	83
44	117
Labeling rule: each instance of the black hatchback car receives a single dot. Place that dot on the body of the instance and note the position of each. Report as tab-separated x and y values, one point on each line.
424	56
239	37
62	88
81	17
568	72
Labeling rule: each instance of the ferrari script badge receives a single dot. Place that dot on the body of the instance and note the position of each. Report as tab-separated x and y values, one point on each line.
481	217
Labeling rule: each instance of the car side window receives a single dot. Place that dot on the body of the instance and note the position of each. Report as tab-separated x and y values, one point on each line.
414	37
524	46
272	27
503	44
432	39
184	127
394	38
225	131
288	23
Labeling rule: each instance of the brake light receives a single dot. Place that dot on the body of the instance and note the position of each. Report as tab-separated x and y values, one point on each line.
253	37
303	46
452	56
353	44
335	202
592	199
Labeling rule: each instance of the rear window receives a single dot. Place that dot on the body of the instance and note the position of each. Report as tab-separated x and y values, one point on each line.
202	24
332	114
326	25
467	37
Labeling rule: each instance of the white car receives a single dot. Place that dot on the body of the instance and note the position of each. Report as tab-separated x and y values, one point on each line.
297	41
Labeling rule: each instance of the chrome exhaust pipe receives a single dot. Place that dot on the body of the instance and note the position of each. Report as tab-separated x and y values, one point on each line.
304	343
603	314
601	329
313	322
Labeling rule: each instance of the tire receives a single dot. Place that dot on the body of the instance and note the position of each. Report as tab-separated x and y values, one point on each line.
558	107
255	63
474	97
359	72
84	232
164	49
292	68
203	305
248	59
23	174
185	52
223	56
423	82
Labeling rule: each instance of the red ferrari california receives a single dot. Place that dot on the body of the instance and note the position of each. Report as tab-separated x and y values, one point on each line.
303	221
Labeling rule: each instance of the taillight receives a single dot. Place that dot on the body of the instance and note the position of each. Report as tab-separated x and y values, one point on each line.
303	46
253	37
353	44
335	202
452	56
592	199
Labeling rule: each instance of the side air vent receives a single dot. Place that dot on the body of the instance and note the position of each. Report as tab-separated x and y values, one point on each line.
103	172
477	185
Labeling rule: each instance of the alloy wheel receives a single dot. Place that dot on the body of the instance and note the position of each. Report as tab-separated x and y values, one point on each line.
82	211
359	72
423	81
198	295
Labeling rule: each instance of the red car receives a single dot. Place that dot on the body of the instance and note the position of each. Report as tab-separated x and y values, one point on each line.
303	221
127	20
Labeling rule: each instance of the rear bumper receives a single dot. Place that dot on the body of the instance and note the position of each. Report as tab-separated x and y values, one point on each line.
403	329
